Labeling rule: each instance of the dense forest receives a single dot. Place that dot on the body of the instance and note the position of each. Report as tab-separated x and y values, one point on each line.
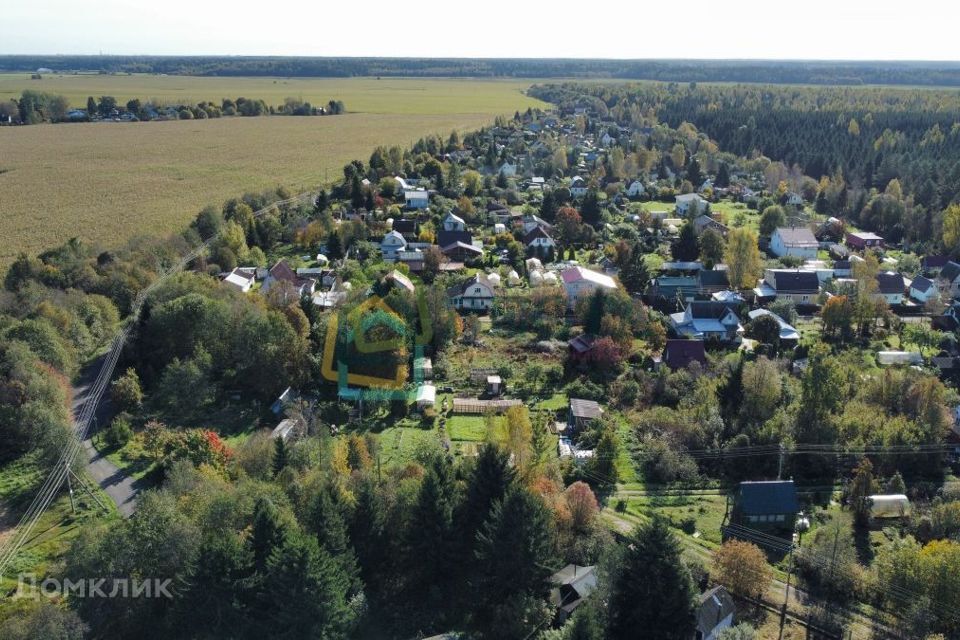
854	141
786	72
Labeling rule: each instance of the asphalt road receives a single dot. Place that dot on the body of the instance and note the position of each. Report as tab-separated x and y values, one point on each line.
121	488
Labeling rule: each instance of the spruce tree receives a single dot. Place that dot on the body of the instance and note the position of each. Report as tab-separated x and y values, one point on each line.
515	548
334	246
305	593
652	589
269	532
634	274
281	456
326	520
489	481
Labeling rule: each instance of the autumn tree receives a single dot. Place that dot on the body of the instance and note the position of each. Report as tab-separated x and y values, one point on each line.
837	316
744	264
742	567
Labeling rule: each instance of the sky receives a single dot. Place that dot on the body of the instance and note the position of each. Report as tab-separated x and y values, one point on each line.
718	29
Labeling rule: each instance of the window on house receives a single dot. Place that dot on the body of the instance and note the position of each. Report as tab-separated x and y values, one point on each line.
781	517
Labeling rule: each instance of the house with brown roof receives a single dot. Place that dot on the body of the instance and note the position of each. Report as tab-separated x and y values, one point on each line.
281	272
678	354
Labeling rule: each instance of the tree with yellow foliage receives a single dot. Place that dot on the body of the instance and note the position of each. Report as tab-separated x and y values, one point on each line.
742	256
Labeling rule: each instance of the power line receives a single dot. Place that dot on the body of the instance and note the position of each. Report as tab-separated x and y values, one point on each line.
71	450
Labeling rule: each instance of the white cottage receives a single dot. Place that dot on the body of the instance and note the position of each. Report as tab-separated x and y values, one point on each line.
391	246
476	294
581	283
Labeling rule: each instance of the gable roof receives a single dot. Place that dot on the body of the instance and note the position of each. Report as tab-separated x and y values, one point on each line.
405	226
703	220
461	288
796	281
398	278
766	497
890	283
455	218
710	309
950	271
921	284
582	343
588	409
935	262
395	235
680	353
536	232
578	274
714	278
797	237
282	271
447	238
715	605
463	246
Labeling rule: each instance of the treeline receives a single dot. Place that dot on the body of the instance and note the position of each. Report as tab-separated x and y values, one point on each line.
777	72
34	107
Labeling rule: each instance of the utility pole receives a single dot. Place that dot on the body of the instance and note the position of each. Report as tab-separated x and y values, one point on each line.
73	504
786	598
780	463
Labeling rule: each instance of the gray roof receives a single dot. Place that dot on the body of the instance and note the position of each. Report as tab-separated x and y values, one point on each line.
768	497
714	278
703	309
921	284
950	271
585	408
890	283
715	605
796	281
797	236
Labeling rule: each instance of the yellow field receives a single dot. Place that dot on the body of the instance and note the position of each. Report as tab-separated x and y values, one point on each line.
360	95
106	182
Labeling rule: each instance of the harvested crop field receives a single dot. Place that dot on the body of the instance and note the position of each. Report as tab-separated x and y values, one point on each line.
106	182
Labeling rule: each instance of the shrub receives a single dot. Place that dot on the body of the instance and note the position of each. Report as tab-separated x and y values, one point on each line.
119	432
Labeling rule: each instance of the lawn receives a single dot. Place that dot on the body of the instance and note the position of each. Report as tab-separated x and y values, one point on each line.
467	428
706	510
107	182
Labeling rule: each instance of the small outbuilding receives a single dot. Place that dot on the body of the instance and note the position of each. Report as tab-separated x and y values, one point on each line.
426	396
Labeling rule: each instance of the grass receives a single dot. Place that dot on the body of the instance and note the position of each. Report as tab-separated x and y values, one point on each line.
107	182
399	445
56	528
467	428
707	511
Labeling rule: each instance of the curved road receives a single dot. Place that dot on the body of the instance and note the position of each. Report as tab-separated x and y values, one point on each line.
121	488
